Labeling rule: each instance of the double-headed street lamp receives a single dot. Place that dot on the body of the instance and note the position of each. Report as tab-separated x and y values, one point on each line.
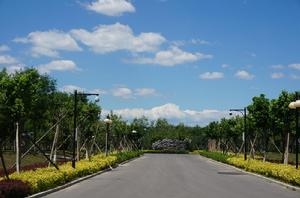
76	94
108	122
244	113
296	105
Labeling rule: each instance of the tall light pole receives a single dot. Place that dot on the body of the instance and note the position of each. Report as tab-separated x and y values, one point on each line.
108	122
244	113
295	105
76	94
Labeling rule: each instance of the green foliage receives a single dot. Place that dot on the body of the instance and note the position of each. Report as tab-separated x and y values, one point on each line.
286	173
42	179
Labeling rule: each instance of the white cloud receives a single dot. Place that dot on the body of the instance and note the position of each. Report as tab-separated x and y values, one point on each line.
49	43
295	66
242	74
111	38
58	65
211	75
4	48
294	77
277	67
72	88
14	68
191	41
277	75
225	65
111	7
172	57
173	113
122	92
145	92
6	60
99	91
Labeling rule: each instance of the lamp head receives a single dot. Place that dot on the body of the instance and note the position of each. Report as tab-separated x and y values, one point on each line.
97	99
292	105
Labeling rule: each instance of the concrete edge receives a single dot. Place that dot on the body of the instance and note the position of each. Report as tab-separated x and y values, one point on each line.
272	180
71	183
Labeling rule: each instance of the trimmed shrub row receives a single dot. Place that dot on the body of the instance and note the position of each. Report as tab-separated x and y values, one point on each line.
43	179
285	173
14	188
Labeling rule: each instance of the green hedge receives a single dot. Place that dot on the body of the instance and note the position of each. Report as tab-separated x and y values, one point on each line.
285	173
43	179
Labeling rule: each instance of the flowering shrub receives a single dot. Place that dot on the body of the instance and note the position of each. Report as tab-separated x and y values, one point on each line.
42	179
166	151
14	188
286	173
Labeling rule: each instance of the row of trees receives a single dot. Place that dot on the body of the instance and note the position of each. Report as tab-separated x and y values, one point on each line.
270	127
33	101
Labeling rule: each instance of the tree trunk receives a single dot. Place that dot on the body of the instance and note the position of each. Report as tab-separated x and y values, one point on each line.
17	148
286	152
3	162
54	145
78	143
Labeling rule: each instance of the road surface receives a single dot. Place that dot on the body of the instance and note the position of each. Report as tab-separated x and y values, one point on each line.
175	176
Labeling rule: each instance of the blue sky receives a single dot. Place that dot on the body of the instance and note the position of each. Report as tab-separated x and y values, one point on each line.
187	61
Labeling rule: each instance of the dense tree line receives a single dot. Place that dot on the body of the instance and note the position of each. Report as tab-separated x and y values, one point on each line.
33	101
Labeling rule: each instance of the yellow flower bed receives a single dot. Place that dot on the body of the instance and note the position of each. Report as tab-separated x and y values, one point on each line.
286	173
45	178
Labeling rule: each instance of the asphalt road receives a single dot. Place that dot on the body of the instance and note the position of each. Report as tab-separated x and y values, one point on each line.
175	176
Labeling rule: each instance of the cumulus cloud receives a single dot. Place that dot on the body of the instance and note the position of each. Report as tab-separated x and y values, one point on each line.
191	41
15	68
49	43
295	66
211	75
173	113
171	57
4	48
111	38
294	77
6	60
145	92
277	67
277	75
58	65
122	92
111	7
242	74
72	88
225	65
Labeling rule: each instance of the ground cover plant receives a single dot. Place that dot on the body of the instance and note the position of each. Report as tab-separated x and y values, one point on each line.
42	179
285	173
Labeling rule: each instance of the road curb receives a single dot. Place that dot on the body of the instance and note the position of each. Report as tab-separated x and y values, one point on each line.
71	183
289	186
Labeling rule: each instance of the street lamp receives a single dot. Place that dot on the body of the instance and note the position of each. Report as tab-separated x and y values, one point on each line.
108	122
295	105
76	94
244	113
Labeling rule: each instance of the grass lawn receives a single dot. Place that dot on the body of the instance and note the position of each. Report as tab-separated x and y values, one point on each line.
10	159
278	157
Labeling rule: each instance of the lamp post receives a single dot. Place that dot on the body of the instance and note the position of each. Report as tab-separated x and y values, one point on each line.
244	113
108	122
76	94
295	105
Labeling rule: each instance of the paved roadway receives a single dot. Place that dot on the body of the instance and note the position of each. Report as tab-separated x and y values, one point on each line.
175	176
